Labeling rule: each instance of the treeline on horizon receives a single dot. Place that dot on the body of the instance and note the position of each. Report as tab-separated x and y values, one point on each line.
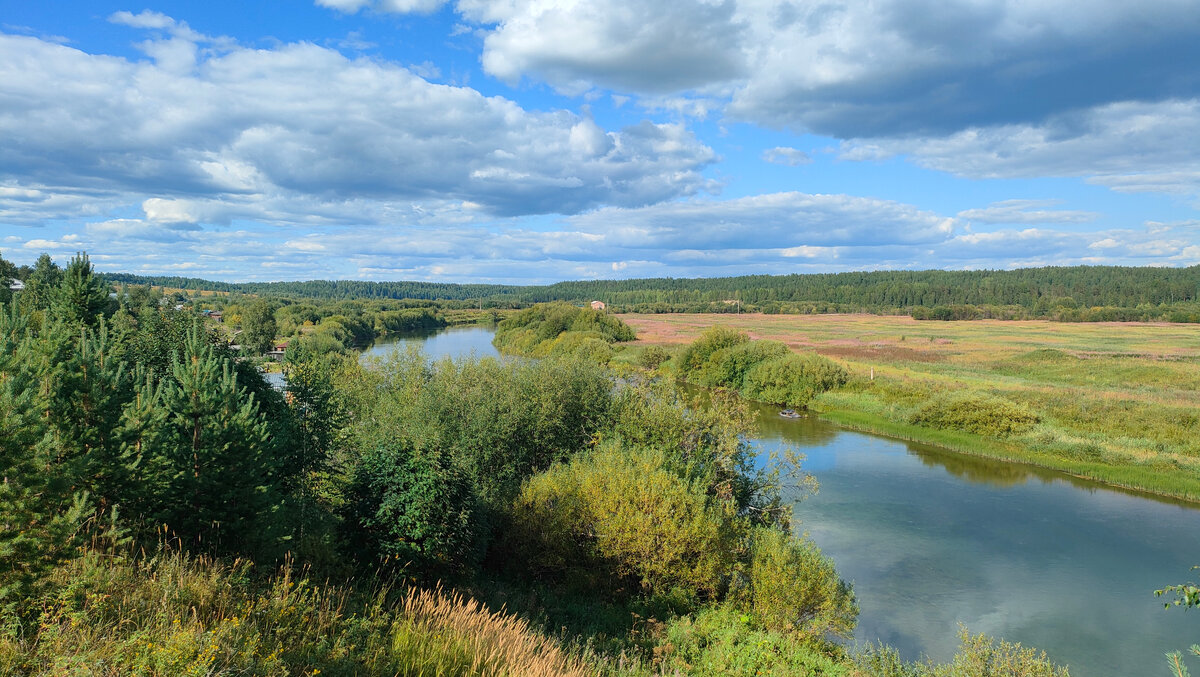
1079	293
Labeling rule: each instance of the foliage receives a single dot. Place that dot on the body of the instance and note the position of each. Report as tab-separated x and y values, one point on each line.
171	614
1175	661
714	339
974	413
258	326
793	588
706	439
977	656
729	367
621	513
652	356
767	371
410	506
1187	595
41	286
81	296
559	329
793	380
499	422
723	640
42	513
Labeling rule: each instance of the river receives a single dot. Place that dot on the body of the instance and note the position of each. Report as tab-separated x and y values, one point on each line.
932	539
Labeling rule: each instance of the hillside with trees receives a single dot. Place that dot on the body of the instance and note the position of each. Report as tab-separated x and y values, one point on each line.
1081	293
165	511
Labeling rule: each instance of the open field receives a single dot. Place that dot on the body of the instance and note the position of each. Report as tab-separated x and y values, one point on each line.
1117	402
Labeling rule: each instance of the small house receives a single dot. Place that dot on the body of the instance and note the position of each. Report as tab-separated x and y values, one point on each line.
598	305
16	285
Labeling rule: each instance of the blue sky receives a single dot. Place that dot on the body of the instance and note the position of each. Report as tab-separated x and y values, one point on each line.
530	141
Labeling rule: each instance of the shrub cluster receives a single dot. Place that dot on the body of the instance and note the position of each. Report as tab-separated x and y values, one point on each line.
560	329
974	412
760	370
678	517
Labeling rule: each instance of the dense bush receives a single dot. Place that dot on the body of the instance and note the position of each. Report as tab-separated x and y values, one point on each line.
706	438
697	353
492	424
563	330
760	370
729	367
411	507
169	614
793	379
793	588
724	641
974	412
653	356
622	514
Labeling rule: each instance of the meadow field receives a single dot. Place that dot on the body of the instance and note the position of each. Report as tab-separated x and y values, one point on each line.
1115	402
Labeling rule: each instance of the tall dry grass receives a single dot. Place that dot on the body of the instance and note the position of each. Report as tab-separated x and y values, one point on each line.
174	615
436	622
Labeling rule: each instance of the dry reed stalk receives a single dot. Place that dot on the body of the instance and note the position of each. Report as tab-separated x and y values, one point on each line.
500	644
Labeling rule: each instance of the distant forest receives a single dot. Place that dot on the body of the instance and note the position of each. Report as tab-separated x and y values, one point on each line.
1081	293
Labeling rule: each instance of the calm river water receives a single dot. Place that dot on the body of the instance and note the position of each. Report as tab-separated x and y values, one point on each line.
932	539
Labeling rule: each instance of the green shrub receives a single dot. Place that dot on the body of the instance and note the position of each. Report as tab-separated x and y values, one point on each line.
706	440
534	330
795	589
977	656
712	340
728	367
169	614
587	345
722	641
793	379
619	514
974	413
982	656
412	507
653	356
498	422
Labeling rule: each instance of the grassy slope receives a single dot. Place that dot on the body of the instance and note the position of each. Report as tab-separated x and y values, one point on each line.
1119	403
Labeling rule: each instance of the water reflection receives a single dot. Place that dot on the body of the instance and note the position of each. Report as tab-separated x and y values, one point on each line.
932	538
453	342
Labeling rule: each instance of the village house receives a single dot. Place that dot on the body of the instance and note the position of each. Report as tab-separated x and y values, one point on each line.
598	305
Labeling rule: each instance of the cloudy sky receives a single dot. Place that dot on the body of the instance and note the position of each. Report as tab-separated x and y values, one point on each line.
529	141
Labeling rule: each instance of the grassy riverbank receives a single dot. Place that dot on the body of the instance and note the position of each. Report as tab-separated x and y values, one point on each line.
1116	403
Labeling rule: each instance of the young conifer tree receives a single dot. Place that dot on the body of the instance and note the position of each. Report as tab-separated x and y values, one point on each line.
82	296
219	450
39	515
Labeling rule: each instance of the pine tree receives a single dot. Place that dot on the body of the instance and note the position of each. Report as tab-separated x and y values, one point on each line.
39	516
218	445
41	285
82	296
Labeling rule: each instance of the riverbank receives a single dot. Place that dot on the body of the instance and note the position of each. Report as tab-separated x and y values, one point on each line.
1115	403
